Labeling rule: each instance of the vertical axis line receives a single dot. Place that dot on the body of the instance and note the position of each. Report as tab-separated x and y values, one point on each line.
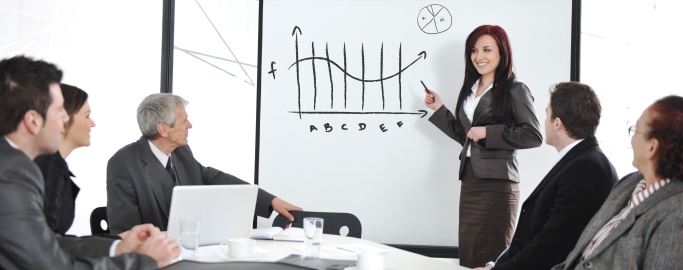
362	57
315	82
298	82
381	72
329	69
400	100
345	75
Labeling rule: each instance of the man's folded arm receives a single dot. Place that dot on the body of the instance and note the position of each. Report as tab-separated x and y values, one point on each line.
87	246
28	243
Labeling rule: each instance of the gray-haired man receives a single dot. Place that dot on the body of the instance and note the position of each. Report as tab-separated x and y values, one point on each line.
141	175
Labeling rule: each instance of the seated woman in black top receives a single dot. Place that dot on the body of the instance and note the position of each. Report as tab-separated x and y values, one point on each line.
60	190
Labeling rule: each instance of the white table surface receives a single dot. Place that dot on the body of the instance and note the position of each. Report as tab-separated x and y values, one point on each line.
395	259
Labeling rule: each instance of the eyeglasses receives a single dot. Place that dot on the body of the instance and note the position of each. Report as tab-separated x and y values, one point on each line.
632	131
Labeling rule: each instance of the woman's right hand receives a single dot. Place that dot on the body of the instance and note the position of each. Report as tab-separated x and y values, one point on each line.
433	100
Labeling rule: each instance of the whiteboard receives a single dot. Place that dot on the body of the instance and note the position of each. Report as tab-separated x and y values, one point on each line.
341	120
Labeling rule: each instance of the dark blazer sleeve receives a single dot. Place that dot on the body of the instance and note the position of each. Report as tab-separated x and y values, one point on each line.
87	246
52	201
446	122
25	240
525	133
580	193
122	202
211	176
60	192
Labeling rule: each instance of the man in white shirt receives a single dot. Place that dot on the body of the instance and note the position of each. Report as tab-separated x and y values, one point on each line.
556	212
141	175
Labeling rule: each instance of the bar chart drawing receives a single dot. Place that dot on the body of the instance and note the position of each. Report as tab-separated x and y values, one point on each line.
301	64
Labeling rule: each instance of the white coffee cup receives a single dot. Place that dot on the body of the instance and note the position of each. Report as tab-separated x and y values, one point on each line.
239	248
370	261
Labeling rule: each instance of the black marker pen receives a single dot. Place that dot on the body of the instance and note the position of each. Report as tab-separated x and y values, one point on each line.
426	90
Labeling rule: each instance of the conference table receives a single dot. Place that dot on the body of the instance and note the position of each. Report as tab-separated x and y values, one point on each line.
395	259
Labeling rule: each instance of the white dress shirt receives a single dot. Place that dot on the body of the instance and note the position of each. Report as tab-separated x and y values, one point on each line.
11	143
161	156
471	103
566	149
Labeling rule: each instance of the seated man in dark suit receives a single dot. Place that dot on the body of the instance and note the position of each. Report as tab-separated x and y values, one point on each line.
32	116
141	175
556	212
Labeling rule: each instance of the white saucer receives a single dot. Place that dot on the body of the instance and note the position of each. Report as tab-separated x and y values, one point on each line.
257	257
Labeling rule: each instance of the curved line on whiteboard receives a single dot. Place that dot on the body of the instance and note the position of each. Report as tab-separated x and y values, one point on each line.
421	55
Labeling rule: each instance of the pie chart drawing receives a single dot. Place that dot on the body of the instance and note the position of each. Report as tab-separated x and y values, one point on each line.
434	19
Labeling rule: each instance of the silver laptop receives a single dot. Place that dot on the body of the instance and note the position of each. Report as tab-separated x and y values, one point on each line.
226	211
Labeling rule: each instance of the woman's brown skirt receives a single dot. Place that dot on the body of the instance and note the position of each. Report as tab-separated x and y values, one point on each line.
488	210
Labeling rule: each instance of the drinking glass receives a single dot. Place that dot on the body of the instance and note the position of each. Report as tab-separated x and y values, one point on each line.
313	229
189	237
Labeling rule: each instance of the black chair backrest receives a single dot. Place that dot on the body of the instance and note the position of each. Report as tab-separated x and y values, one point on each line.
96	217
332	224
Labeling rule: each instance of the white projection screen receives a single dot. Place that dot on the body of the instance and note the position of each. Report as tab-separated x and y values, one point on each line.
341	120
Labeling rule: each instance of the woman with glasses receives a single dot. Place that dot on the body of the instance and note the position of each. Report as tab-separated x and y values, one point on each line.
640	225
60	190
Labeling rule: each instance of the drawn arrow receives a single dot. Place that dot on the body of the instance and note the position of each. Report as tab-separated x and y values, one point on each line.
424	113
424	55
296	28
296	47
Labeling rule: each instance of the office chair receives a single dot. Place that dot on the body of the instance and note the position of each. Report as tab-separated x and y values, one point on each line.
333	222
96	217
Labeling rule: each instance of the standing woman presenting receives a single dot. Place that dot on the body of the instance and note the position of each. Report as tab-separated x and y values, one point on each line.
494	117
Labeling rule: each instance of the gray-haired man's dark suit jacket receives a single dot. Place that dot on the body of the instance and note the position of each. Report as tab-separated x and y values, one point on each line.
26	241
495	156
137	185
650	237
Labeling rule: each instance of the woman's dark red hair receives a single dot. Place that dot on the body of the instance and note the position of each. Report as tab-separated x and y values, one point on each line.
504	76
666	125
